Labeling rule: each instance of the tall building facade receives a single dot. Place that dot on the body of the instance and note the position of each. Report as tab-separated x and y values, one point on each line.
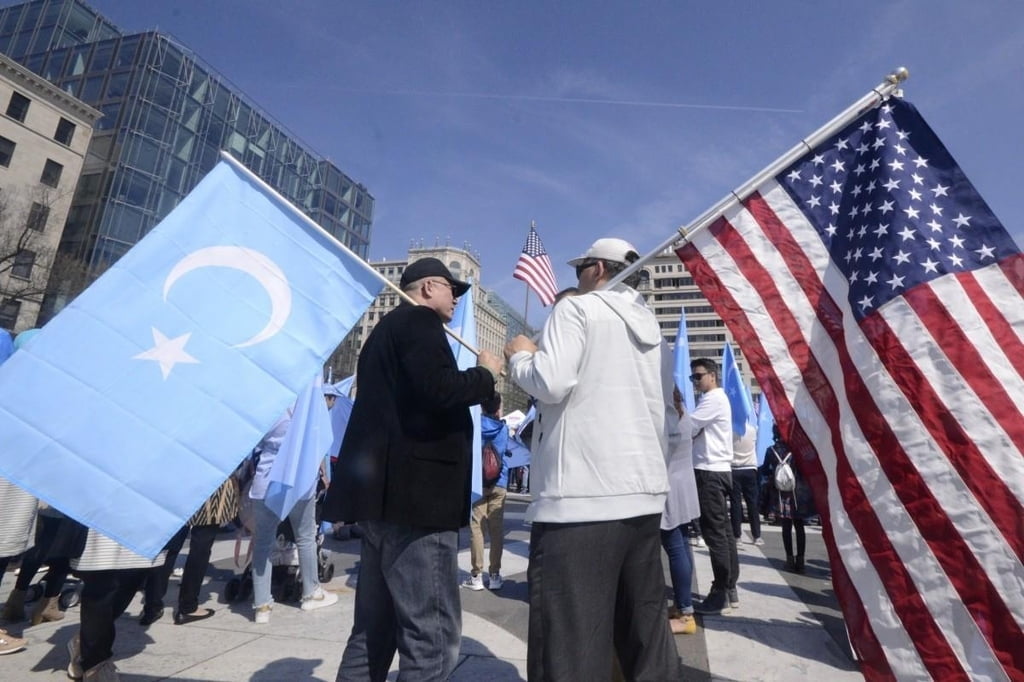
669	290
44	134
166	116
496	322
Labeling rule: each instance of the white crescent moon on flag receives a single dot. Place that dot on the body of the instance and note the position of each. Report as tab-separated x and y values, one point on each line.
254	264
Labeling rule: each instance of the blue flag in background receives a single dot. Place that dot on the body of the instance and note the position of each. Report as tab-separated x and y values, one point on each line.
464	324
140	398
340	414
765	422
297	465
681	372
739	396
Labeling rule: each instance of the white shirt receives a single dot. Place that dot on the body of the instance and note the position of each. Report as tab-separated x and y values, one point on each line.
712	432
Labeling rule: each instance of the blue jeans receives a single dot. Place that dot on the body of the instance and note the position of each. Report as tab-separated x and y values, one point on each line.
407	598
676	543
303	520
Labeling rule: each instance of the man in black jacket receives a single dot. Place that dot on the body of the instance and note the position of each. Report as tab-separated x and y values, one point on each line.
404	474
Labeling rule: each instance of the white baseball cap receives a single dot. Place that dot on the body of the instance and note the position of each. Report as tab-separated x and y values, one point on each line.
609	249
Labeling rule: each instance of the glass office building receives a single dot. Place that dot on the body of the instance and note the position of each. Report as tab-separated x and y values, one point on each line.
166	116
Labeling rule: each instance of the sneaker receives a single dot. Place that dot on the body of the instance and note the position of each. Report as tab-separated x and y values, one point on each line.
495	581
262	615
699	542
10	644
75	671
685	624
715	603
474	582
734	598
758	541
319	600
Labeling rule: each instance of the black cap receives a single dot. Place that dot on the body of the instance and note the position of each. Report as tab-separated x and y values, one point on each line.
431	267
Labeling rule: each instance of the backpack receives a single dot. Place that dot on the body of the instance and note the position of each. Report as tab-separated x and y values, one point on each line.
490	460
784	478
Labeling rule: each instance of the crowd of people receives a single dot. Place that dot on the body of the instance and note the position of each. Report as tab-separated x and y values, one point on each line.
600	373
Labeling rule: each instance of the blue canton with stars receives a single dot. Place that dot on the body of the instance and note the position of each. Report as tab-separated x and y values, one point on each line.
892	206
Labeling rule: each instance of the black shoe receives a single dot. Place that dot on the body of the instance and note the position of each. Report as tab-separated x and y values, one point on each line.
715	603
185	618
149	617
734	598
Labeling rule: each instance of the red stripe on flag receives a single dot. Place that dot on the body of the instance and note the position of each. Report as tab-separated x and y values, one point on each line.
874	664
1002	331
956	557
988	487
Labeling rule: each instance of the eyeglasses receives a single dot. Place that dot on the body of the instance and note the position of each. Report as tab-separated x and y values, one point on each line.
583	266
445	283
696	377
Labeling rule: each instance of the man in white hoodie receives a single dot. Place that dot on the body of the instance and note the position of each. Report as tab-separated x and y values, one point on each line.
598	479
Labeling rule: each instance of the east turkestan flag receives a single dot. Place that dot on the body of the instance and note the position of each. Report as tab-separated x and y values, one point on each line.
139	399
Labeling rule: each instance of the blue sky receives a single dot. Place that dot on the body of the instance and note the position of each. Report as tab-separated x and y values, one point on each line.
467	120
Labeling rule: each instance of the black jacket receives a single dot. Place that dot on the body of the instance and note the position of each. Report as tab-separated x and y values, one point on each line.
407	453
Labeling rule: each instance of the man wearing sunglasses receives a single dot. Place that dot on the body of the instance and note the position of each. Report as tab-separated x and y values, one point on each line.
712	463
404	473
598	479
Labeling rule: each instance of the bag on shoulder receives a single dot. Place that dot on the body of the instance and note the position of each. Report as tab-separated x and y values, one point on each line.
490	459
784	478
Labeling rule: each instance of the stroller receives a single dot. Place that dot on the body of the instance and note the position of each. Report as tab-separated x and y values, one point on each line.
285	578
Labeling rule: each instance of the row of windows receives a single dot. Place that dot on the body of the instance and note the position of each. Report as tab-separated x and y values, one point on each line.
51	169
17	108
679	296
673	282
678	267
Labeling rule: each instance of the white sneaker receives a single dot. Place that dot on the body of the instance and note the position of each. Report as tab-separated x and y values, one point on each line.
75	670
759	542
319	600
495	582
262	616
474	582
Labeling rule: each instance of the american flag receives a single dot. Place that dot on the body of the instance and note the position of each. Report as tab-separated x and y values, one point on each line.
534	268
879	302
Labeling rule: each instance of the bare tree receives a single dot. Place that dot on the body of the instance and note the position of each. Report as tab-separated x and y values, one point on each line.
30	265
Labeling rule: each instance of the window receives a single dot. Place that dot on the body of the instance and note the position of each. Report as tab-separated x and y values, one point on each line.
23	262
37	216
9	310
6	152
17	108
65	131
51	173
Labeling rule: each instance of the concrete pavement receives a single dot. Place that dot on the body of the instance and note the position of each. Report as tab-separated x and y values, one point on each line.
787	626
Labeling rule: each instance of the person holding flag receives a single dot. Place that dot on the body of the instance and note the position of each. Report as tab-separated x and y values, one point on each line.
404	473
291	452
603	382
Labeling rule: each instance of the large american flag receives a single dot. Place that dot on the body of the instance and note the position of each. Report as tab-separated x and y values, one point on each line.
879	302
534	268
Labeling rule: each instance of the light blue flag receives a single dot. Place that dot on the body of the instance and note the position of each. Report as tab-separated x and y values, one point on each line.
340	414
682	370
296	467
6	345
739	398
464	324
765	422
137	400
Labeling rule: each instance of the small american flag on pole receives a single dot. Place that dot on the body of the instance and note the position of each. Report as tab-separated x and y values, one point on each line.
879	302
534	268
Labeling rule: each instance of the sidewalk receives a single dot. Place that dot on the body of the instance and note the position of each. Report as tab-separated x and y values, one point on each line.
773	635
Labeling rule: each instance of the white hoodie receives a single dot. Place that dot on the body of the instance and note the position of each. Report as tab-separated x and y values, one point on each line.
604	391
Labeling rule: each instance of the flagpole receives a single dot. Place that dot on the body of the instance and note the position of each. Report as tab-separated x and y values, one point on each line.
878	94
312	223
